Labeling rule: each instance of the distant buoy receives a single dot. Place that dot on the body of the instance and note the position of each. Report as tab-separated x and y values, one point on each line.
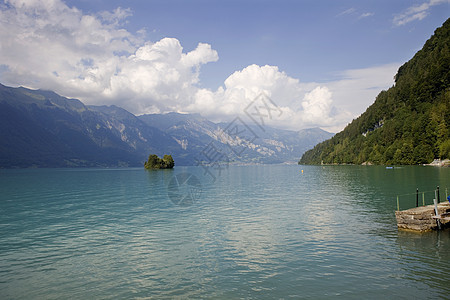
302	171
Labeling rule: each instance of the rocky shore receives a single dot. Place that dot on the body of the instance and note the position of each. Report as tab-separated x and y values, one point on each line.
439	163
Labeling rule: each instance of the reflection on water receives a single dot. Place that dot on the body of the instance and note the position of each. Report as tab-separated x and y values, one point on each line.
425	259
258	232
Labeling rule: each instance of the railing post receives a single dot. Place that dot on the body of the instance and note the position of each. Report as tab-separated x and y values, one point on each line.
438	196
398	205
417	197
436	212
423	198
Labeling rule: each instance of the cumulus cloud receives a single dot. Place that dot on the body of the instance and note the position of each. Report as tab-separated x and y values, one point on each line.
330	105
301	105
416	12
317	105
159	76
46	44
243	86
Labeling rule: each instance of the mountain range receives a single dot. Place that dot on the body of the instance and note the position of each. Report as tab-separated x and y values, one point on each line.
43	129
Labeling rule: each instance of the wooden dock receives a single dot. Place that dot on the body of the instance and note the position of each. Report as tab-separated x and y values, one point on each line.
424	218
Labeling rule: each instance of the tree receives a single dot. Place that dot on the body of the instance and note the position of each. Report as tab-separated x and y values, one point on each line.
445	149
154	162
168	161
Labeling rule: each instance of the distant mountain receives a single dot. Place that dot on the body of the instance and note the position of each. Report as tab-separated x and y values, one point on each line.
42	129
165	121
194	133
407	124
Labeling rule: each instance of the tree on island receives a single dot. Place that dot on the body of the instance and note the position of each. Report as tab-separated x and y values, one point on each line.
154	162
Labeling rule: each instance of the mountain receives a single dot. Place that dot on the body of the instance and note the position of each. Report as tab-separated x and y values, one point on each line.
407	124
269	145
165	121
42	129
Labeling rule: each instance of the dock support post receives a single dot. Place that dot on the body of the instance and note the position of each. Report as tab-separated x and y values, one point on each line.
417	197
436	212
398	205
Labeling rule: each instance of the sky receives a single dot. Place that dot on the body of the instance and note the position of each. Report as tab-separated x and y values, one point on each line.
321	62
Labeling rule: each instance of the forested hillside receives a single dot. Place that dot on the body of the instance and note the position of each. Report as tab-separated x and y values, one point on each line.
407	124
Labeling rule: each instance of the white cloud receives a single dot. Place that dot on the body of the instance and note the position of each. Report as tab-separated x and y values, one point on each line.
317	105
349	11
241	87
159	76
366	15
48	45
302	105
353	11
416	12
330	105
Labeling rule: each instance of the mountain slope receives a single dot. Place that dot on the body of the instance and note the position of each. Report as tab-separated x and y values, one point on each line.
407	124
43	129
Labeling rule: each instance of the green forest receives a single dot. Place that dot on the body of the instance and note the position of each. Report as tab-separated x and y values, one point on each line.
154	162
407	124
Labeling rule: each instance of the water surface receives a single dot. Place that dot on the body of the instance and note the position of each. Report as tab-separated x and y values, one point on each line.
256	232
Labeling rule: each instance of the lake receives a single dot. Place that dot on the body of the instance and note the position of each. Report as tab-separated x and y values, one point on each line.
252	232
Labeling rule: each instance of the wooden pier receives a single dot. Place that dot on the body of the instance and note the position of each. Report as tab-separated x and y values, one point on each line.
424	218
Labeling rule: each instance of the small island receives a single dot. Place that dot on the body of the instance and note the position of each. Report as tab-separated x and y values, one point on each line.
154	162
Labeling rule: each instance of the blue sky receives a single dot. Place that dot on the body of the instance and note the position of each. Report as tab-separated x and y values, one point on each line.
322	62
309	40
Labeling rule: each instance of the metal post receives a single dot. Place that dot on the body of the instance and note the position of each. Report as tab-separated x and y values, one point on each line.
417	197
398	205
436	212
423	198
438	197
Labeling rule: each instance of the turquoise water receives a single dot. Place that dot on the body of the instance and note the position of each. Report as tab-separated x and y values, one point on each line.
256	232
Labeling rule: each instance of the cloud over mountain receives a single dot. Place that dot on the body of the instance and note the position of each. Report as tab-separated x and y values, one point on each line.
49	45
299	106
